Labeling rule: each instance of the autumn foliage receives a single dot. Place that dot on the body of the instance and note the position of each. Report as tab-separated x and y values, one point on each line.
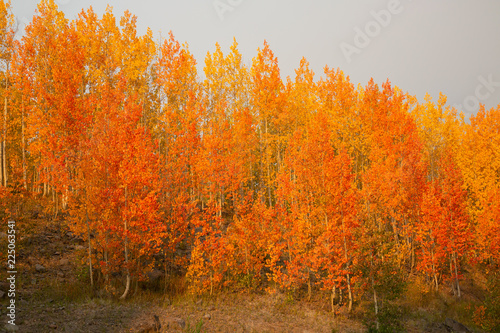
241	179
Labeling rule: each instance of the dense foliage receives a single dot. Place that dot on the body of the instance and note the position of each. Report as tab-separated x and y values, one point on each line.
240	179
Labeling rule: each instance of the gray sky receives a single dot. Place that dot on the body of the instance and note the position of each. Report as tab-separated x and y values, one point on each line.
449	46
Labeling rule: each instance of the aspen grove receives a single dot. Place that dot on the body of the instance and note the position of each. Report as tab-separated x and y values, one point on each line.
239	179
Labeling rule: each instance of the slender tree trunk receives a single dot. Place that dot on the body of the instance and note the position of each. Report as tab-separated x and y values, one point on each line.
260	171
23	147
434	271
45	187
268	168
2	157
127	287
4	145
106	238
412	256
454	255
165	259
332	298
309	285
220	203
90	245
64	199
348	278
375	300
106	259
211	283
246	260
451	274
33	186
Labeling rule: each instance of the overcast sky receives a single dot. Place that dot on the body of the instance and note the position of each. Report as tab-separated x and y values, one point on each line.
449	46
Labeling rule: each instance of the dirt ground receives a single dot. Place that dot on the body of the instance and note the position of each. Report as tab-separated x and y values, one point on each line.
225	314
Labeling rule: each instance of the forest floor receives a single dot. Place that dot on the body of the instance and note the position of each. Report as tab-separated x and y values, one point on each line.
53	296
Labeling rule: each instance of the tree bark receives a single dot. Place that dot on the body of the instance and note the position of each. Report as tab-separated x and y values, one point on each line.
454	255
90	246
4	145
332	298
23	147
348	278
375	298
268	168
127	286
